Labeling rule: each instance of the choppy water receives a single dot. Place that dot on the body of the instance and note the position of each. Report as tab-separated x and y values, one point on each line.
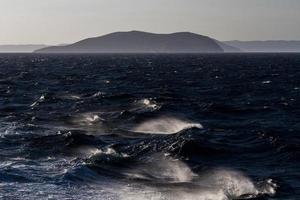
176	127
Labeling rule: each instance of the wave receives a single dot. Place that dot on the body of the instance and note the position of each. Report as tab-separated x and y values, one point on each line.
168	178
162	169
8	129
236	185
92	152
70	96
144	105
87	119
38	101
148	193
165	125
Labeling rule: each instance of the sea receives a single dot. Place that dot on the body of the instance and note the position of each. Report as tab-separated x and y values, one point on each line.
150	126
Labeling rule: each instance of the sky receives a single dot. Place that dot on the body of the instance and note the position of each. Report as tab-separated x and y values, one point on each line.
66	21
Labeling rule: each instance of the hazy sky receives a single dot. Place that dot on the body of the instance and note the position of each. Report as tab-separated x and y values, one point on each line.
65	21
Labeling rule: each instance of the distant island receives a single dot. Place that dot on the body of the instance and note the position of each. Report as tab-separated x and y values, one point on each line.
266	46
26	48
141	42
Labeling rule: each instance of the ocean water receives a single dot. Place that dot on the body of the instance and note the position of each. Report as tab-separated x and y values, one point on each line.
170	127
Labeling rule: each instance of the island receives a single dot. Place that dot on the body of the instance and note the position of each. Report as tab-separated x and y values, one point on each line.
141	42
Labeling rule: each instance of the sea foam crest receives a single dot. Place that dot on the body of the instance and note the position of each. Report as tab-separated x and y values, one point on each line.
164	169
8	129
145	105
220	184
87	119
41	99
165	125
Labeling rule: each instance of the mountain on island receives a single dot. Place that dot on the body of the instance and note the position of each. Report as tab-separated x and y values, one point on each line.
141	42
265	46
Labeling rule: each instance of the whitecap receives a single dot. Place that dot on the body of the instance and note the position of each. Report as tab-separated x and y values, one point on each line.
98	94
163	169
87	119
41	99
89	152
148	193
70	97
8	129
177	181
266	82
235	184
165	125
145	105
220	184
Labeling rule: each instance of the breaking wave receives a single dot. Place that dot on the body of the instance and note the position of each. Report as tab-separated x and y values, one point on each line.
165	125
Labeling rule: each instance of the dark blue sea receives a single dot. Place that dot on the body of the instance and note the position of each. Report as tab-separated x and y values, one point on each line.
157	127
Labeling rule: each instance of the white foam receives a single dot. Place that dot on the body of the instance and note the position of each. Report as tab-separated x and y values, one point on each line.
219	184
148	103
87	119
148	193
233	183
266	82
70	97
97	94
145	105
89	152
163	169
41	99
165	125
8	129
